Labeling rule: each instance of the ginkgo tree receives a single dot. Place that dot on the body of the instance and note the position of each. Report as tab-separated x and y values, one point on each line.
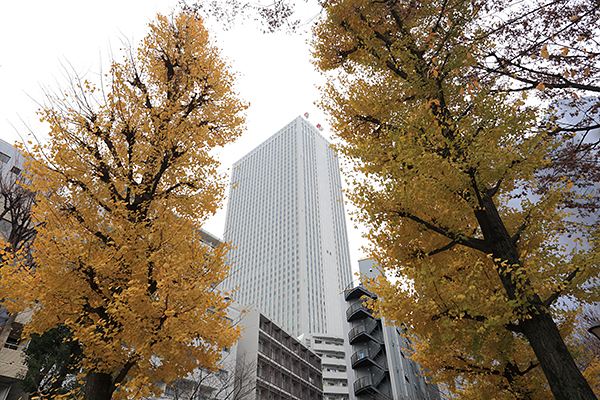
456	175
124	183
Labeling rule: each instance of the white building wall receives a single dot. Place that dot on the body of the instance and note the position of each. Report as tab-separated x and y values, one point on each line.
333	359
285	221
9	157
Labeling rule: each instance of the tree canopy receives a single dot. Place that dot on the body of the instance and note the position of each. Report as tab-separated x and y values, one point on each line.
450	116
124	184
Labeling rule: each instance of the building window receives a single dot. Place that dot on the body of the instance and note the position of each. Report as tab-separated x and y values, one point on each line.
222	375
169	391
4	157
14	337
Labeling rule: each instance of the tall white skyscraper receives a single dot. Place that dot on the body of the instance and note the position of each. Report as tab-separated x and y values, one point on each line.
286	221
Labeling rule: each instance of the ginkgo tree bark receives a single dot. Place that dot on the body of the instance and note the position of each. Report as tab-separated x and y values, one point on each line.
125	181
445	158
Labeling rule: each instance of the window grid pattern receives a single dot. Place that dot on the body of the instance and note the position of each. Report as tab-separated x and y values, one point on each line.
274	225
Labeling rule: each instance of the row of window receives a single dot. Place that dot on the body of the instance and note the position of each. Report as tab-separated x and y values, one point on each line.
277	253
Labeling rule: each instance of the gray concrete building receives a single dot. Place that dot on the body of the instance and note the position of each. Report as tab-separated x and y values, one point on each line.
376	351
228	381
12	359
267	363
285	369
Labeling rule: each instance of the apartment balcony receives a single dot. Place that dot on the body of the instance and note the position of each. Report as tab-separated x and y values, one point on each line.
334	375
327	347
358	311
365	357
358	292
338	389
363	332
370	383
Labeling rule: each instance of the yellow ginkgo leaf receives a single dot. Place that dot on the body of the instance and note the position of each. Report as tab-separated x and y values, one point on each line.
544	51
541	86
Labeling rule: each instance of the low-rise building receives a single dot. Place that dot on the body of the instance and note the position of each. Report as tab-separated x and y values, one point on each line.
12	366
267	363
285	368
12	358
226	382
333	359
378	367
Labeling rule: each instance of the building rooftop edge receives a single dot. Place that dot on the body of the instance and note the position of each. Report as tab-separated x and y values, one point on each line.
264	142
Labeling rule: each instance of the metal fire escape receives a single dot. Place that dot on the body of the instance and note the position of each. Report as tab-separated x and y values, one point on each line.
366	338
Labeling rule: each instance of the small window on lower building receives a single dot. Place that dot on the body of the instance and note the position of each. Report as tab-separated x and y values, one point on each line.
4	158
169	391
222	374
14	337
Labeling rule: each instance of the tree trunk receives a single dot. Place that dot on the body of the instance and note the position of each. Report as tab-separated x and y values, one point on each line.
564	378
98	386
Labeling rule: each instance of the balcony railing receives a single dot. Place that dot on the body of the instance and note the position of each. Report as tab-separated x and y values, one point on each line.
366	356
363	331
361	384
369	383
357	292
358	310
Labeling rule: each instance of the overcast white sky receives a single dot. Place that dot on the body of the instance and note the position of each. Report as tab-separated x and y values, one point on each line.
40	37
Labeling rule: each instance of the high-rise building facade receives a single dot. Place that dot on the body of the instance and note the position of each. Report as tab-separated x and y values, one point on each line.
285	220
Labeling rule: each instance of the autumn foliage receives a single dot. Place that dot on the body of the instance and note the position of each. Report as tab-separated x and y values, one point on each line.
456	174
125	182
